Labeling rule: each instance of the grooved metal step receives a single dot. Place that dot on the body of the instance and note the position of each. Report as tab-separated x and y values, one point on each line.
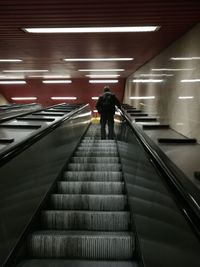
76	263
93	167
85	220
96	154
95	160
81	245
89	202
92	176
86	148
91	188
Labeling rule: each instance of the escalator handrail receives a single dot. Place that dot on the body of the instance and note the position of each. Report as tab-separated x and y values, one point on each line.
188	193
5	156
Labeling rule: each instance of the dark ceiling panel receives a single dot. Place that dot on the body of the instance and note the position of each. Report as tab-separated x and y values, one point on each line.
46	51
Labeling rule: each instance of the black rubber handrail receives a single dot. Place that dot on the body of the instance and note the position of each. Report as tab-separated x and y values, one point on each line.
185	192
11	152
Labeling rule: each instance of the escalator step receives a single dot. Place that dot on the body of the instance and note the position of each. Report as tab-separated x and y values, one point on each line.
75	263
91	188
85	220
89	202
91	148
94	167
81	245
95	160
92	176
97	146
99	141
96	154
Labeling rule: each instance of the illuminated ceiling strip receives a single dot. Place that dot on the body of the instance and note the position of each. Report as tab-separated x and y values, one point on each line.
103	76
63	98
97	59
24	71
92	29
147	81
186	97
57	81
12	82
103	81
94	97
142	97
156	75
190	81
171	69
11	77
102	70
184	58
56	76
10	60
24	98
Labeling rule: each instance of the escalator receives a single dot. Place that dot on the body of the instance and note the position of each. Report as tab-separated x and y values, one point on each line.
87	222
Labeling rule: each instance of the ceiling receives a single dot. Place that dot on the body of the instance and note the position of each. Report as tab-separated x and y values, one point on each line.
46	51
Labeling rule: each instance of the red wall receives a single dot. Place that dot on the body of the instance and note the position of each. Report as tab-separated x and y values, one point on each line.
80	88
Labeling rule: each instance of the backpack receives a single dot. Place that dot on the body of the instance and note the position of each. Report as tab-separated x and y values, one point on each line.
108	103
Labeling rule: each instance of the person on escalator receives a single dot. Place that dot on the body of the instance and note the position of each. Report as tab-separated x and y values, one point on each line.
106	108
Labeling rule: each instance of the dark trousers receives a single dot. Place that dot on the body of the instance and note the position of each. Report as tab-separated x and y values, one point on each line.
107	118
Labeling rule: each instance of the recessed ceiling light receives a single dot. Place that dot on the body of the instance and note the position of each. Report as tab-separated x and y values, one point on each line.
94	97
24	98
103	76
190	81
102	70
25	71
156	75
57	81
103	81
12	82
63	98
92	29
56	76
5	77
10	60
171	69
184	58
147	81
97	59
186	97
141	97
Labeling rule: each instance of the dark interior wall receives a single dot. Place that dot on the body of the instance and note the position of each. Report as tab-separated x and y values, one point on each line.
81	88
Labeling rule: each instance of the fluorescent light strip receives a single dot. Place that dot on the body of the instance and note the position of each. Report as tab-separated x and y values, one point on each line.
24	71
11	77
171	69
156	75
12	82
95	110
56	76
92	29
57	81
63	98
103	76
95	97
184	58
142	97
147	81
98	59
102	70
24	98
190	81
10	60
103	81
186	97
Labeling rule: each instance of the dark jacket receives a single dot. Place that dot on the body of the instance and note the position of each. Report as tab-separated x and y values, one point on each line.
106	103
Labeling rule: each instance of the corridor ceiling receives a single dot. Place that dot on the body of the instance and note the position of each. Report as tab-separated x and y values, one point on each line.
46	51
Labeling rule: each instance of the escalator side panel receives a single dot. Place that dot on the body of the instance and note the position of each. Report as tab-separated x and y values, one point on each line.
26	178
